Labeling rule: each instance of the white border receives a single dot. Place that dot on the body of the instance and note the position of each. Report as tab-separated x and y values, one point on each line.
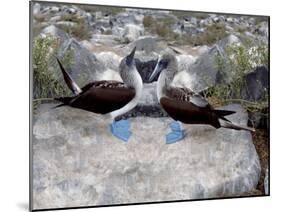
14	116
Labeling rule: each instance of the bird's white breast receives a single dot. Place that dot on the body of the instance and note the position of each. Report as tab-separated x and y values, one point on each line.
137	84
160	85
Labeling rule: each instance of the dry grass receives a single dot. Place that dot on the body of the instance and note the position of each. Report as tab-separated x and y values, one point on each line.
184	14
104	9
163	28
80	31
160	27
212	34
261	142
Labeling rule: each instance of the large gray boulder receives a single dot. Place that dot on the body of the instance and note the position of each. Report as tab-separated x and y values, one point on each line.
77	162
125	18
256	85
146	43
132	32
205	69
263	29
84	66
107	40
255	89
36	8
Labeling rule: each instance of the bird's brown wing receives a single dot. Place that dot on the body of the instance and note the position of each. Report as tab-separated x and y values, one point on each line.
187	95
103	96
104	84
189	113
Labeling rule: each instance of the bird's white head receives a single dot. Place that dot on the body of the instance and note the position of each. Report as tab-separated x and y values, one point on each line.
127	68
167	64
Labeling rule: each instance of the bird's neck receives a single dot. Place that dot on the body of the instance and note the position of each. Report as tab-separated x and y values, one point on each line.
133	80
163	82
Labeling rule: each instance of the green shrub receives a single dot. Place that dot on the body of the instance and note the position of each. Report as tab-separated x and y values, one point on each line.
241	29
239	61
148	21
45	84
183	14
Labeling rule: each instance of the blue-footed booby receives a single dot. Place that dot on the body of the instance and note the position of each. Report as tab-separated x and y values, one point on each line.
111	98
183	104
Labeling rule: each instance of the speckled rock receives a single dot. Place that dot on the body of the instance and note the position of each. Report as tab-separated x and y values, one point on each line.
77	162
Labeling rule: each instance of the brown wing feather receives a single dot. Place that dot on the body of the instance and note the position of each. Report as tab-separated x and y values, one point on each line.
187	95
102	97
181	94
104	84
189	113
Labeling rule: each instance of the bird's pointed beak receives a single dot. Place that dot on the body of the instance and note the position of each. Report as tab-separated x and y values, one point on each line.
130	57
156	70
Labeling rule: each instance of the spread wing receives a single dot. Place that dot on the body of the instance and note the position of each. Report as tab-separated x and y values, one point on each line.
103	96
187	95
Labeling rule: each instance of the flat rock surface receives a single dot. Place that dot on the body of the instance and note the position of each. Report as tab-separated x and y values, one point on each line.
77	162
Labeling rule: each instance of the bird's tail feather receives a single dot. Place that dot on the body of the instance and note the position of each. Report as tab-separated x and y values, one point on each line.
71	84
60	105
63	100
222	113
229	125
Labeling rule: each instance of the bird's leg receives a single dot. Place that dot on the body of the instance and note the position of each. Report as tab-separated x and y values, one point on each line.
177	133
120	129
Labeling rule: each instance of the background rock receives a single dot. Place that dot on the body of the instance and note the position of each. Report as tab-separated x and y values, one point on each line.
147	44
256	85
36	8
132	32
86	67
259	119
263	28
205	70
78	162
256	90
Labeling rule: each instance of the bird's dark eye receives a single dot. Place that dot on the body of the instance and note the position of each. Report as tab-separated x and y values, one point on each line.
163	63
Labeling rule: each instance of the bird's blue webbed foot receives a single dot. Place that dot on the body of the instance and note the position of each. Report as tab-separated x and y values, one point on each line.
177	133
120	129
